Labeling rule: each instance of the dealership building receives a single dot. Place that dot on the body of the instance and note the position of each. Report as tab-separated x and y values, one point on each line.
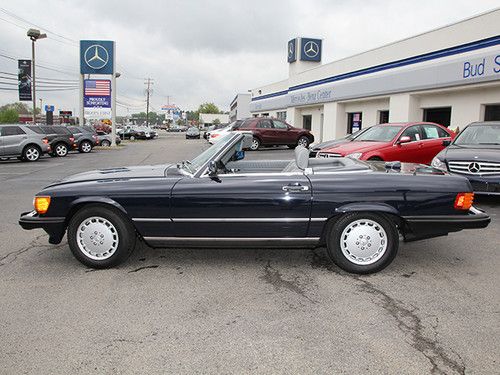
450	75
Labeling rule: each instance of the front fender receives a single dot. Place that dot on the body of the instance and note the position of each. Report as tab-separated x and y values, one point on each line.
94	199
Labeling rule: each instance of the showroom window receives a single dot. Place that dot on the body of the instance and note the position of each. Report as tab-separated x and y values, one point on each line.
281	115
492	112
441	116
307	122
354	122
383	117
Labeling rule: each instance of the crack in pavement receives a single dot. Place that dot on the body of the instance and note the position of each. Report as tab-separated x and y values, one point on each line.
407	321
143	268
274	277
14	254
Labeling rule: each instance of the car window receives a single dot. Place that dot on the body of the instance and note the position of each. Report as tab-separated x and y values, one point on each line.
379	134
246	124
36	129
12	130
74	129
265	124
433	132
413	132
279	124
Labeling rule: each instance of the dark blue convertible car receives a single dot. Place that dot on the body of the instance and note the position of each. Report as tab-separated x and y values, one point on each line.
357	209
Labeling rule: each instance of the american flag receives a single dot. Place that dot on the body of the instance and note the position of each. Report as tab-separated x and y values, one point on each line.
97	87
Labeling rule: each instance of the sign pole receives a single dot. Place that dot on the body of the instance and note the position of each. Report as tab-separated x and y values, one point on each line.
113	99
33	78
82	113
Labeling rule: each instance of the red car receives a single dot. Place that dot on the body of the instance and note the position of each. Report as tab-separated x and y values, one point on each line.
273	132
411	142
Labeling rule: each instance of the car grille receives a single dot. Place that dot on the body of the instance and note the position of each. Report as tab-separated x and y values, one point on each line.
327	155
474	167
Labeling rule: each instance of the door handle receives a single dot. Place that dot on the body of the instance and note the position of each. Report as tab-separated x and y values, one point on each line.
294	188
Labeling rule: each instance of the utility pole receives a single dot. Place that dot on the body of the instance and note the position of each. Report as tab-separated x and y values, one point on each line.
149	91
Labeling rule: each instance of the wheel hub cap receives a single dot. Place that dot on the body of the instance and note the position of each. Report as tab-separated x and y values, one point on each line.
97	238
32	154
363	242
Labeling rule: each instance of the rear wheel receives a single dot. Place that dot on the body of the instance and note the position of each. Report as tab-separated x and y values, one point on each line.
85	147
303	141
363	242
61	150
255	144
31	153
105	143
100	237
132	138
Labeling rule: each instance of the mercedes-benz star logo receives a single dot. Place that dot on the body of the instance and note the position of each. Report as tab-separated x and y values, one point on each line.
290	49
96	56
474	167
311	49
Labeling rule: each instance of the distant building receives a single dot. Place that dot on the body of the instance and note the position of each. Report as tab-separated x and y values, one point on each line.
450	75
240	107
209	118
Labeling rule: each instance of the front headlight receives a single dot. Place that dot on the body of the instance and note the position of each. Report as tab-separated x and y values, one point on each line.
438	164
355	155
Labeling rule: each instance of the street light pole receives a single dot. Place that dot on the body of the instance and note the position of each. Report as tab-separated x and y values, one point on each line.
34	35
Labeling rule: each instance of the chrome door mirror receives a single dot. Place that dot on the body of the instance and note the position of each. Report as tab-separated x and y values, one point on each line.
212	168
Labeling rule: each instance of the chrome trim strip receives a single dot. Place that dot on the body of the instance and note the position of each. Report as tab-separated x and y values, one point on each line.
230	220
239	239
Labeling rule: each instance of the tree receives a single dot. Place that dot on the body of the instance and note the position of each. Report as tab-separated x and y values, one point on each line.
208	108
9	116
216	122
21	108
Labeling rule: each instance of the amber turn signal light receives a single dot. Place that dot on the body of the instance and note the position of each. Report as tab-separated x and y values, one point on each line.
41	204
464	201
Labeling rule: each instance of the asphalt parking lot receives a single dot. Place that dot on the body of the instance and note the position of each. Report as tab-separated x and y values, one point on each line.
435	309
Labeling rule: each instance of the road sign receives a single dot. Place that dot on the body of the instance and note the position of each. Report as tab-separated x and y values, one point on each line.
96	56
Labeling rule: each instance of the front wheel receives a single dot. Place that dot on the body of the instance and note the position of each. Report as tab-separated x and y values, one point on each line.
255	144
85	147
100	237
132	138
303	141
363	242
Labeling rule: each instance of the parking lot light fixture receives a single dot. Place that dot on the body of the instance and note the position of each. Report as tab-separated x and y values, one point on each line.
34	35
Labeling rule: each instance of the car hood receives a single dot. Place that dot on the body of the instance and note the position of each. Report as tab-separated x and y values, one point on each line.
120	173
328	144
349	147
468	153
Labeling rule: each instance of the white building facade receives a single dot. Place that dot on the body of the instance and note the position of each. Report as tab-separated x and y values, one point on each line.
239	108
450	75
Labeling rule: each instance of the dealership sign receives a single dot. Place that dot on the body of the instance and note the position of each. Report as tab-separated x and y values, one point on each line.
24	79
97	56
97	113
97	93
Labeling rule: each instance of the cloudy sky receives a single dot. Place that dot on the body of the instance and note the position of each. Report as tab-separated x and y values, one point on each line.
199	51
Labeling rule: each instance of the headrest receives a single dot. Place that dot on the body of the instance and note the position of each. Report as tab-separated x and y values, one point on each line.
302	157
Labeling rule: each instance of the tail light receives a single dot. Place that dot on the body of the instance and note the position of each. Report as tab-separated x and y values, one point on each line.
41	204
71	139
45	140
464	201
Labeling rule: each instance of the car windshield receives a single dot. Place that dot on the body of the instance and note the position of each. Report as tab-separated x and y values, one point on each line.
195	164
479	135
379	134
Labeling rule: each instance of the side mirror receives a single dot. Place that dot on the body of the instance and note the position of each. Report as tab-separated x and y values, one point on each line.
212	168
446	142
404	139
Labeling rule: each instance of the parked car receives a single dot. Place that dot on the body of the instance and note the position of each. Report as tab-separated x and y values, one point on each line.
211	128
18	141
128	132
61	140
193	133
85	138
413	142
217	134
104	139
357	209
273	132
315	148
475	154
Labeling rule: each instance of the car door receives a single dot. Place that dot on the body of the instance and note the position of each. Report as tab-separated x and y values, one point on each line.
283	134
251	206
13	138
410	152
265	131
432	139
